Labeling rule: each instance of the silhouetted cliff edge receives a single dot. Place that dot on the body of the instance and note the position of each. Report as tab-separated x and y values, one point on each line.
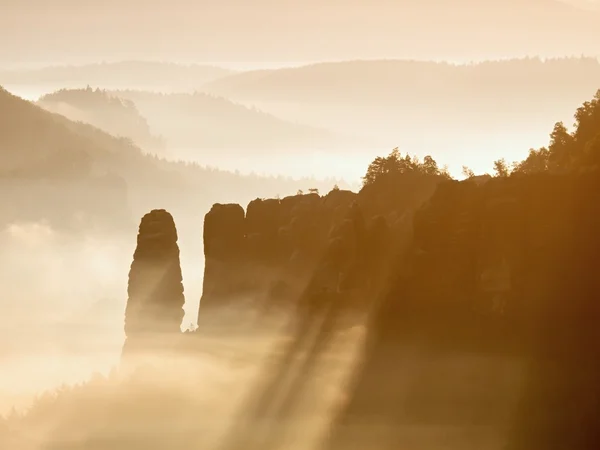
497	287
480	298
483	324
271	253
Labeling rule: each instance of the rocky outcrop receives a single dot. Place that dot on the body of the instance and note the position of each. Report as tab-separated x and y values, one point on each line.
155	291
225	255
496	288
267	256
486	292
483	301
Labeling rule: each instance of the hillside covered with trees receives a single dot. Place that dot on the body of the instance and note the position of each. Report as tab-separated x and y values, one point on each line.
207	122
53	168
482	111
116	116
478	298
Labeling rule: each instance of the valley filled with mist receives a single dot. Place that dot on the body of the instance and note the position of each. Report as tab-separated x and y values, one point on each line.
231	227
295	121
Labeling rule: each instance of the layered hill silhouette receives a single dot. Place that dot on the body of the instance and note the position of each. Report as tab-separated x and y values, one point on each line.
267	31
67	172
209	122
390	80
198	121
479	334
478	109
117	75
116	116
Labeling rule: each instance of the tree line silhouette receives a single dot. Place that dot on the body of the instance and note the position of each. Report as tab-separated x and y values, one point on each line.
451	277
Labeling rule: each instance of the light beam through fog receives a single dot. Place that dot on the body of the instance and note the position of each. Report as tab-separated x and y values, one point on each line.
333	226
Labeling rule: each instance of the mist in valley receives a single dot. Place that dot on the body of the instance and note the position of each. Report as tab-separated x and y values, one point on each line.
63	380
297	120
232	226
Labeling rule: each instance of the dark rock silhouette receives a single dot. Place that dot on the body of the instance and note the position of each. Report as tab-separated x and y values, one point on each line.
483	289
155	291
265	257
224	250
477	326
479	298
317	310
561	397
339	249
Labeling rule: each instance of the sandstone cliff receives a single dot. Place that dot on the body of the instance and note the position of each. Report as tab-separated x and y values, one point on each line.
155	305
482	301
489	321
270	254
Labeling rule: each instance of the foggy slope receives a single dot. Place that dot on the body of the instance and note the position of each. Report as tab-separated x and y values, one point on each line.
480	111
40	145
385	83
70	199
115	116
470	345
207	122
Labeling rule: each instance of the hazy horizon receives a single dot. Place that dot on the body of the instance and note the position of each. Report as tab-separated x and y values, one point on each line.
321	165
233	31
247	66
463	148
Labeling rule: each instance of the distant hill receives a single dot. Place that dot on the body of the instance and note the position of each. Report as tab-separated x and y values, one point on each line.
118	75
31	136
208	122
386	82
114	115
482	108
75	175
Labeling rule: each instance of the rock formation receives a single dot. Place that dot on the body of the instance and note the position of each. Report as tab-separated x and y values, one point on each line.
266	257
485	293
488	308
273	250
484	282
225	256
155	291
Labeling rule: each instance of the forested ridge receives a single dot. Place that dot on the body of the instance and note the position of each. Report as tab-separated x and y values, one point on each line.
478	298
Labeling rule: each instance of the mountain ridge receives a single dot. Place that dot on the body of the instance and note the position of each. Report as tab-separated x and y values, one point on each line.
117	74
54	169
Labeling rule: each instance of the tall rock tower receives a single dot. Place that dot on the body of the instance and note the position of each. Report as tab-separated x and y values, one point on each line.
155	291
225	258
